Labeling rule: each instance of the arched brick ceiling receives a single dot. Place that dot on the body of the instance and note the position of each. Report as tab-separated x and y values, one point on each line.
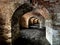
43	12
26	17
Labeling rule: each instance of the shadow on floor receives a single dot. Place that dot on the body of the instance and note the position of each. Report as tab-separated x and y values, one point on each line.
28	39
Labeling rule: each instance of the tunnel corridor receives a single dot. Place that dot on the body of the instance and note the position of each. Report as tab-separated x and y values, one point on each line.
29	22
31	26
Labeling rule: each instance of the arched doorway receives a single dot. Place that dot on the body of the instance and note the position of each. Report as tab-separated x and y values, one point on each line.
19	12
34	22
16	27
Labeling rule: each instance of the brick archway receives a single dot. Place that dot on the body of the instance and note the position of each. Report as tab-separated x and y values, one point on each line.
20	11
7	11
26	17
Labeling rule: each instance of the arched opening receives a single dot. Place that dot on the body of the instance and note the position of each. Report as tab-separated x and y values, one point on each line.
29	20
19	12
16	23
23	17
34	22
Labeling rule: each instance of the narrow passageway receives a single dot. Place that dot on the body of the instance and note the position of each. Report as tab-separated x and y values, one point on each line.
29	22
31	26
32	30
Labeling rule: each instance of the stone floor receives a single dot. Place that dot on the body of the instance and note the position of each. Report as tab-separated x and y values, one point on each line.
32	37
